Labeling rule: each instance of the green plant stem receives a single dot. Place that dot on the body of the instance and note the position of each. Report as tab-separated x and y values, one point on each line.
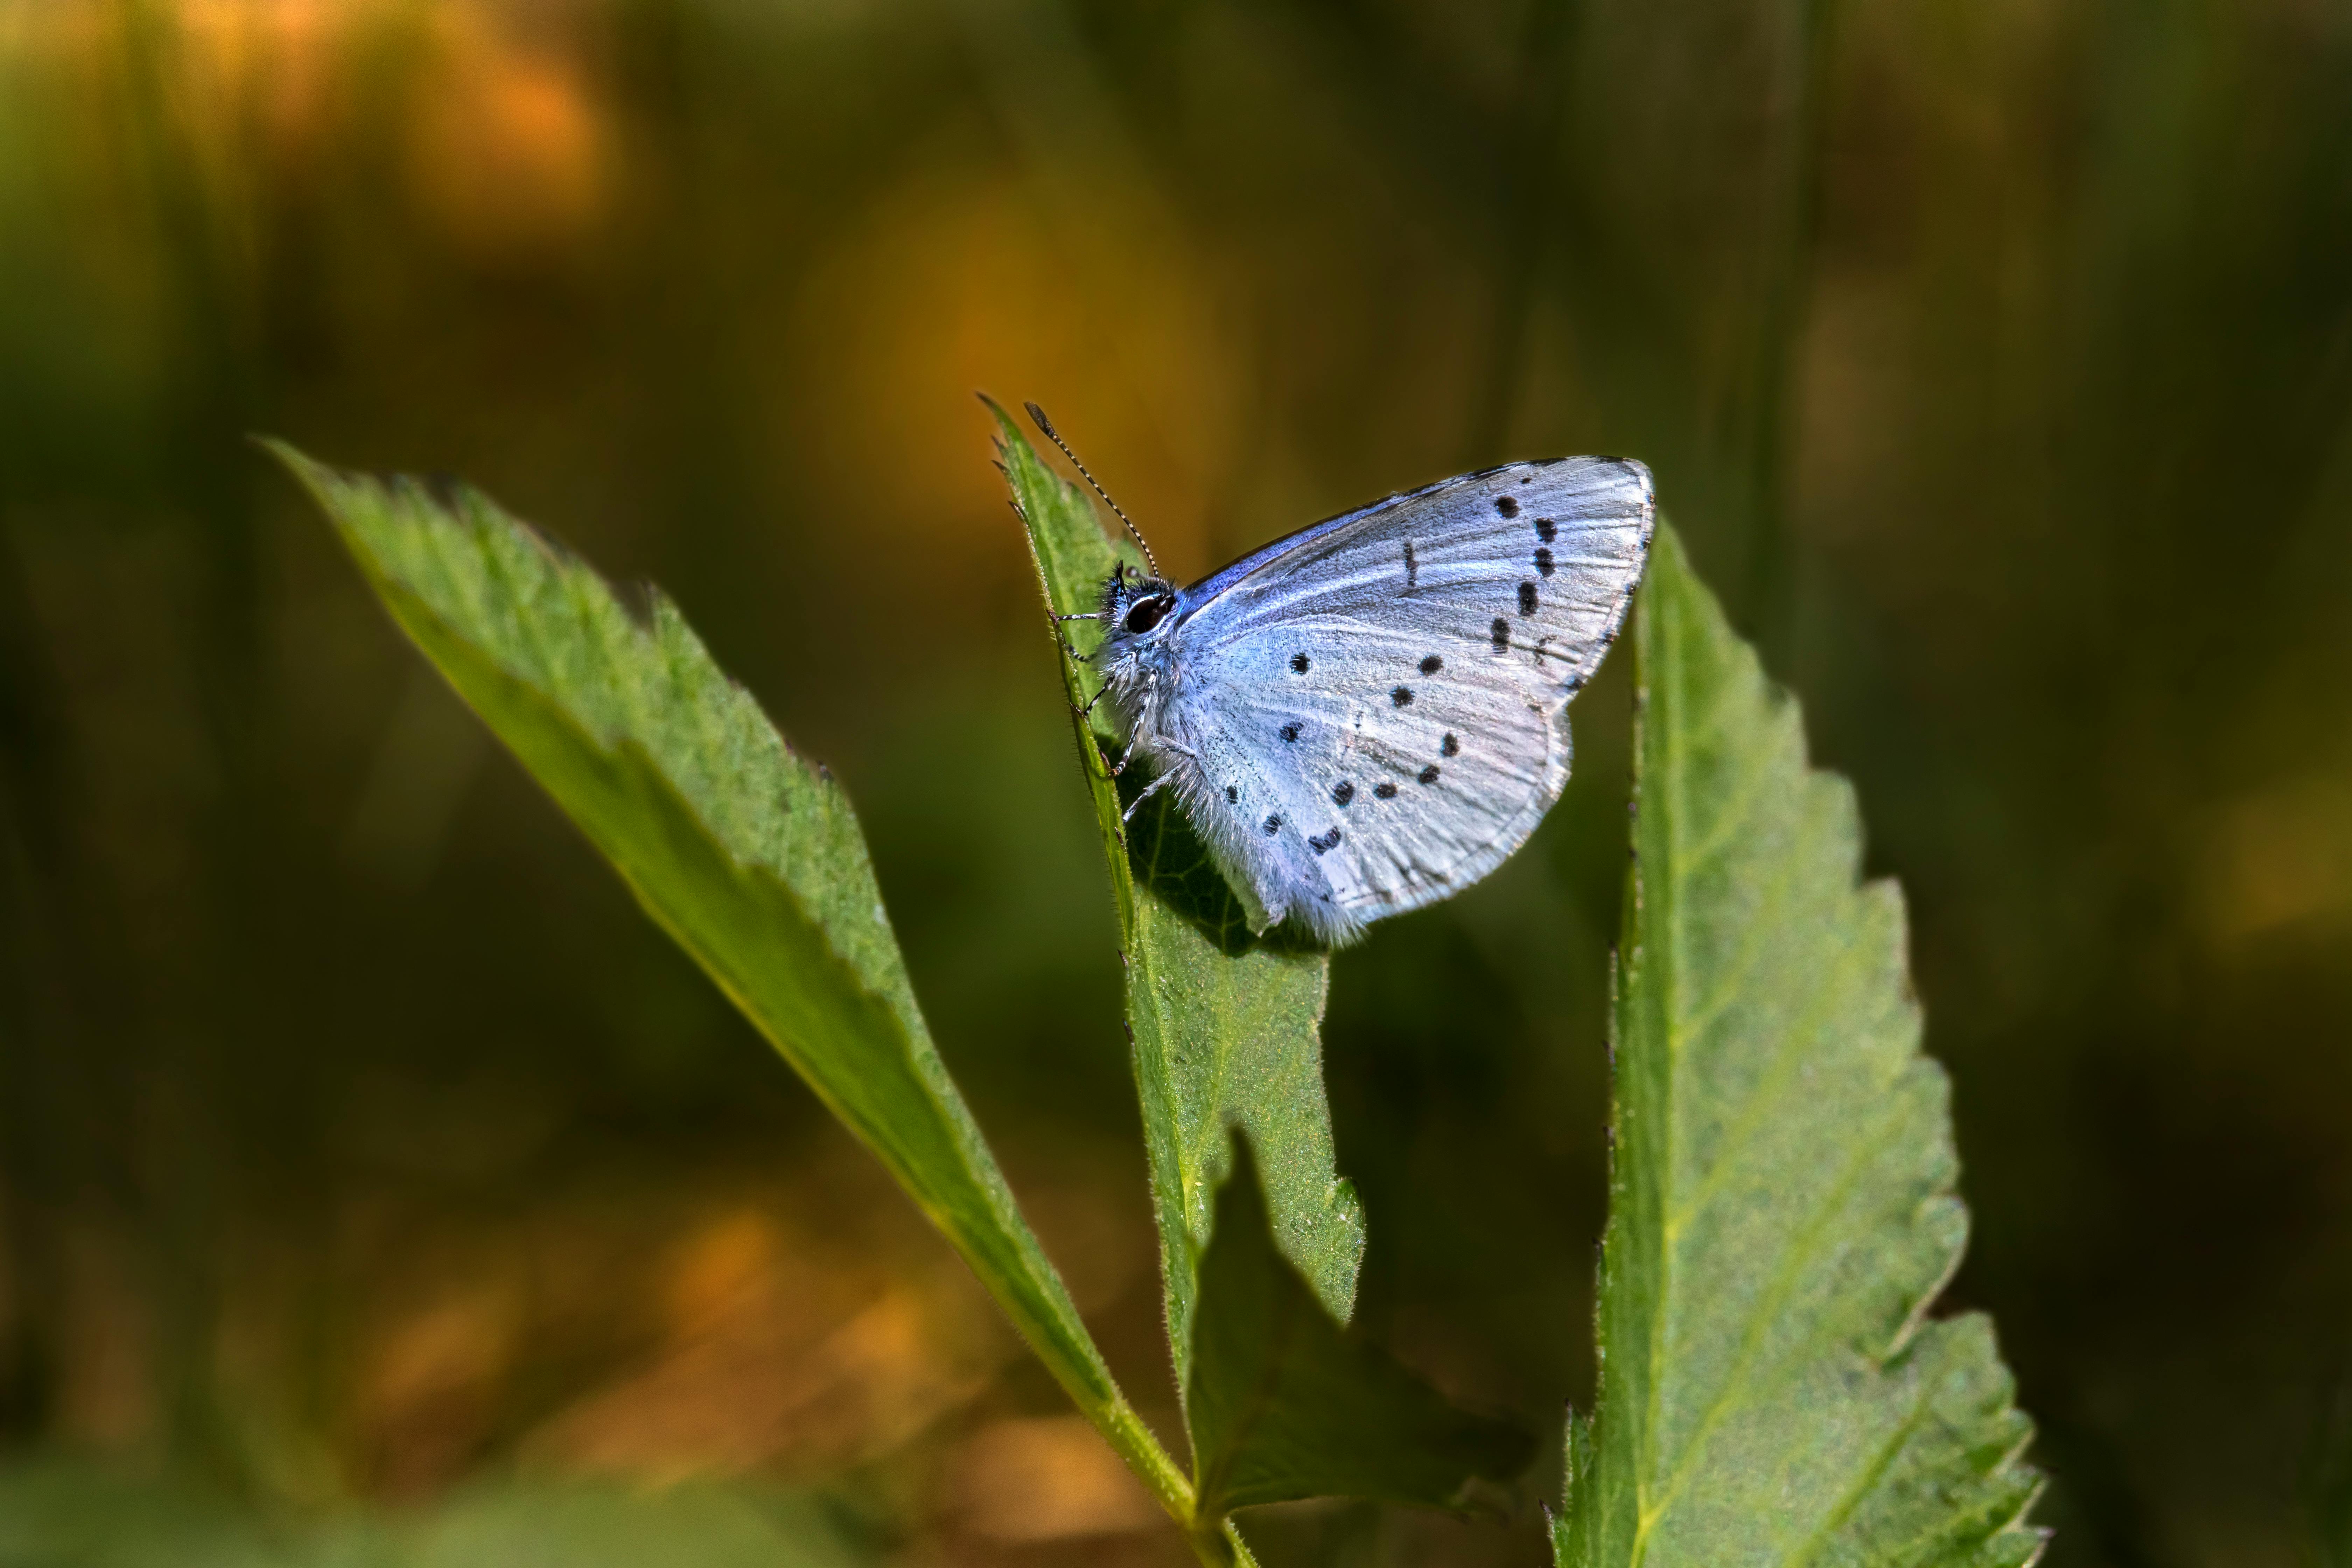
1132	1441
1215	1542
1219	1544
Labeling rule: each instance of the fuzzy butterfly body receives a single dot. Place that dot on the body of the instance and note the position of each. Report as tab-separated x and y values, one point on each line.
1372	714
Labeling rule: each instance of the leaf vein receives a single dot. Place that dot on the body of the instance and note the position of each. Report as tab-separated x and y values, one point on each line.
1759	1317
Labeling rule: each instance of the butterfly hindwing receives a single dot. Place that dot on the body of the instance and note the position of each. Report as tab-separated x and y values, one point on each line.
1374	707
1361	786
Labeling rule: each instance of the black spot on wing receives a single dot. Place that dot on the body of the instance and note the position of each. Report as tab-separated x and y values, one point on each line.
1329	841
1290	732
1431	665
1298	663
1501	632
1232	794
1450	747
1508	505
1273	825
1400	696
1384	791
1412	568
1526	598
1547	530
1429	773
1342	792
1543	561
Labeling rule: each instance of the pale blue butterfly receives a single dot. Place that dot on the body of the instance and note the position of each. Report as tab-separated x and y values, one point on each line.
1372	714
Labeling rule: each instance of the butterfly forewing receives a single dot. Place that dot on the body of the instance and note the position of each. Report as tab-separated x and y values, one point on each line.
1376	703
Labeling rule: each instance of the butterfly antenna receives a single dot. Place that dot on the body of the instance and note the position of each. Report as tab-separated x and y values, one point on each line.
1132	531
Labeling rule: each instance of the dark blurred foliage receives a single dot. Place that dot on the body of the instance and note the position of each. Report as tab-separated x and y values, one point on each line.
359	1136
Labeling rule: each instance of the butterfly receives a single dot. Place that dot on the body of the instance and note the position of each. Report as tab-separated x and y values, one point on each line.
1370	715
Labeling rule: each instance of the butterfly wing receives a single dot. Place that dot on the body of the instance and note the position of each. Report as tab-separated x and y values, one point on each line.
1374	709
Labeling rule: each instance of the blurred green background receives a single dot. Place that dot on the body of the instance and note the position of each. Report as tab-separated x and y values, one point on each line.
363	1142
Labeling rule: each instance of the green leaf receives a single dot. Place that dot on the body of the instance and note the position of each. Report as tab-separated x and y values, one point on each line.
60	1514
1782	1207
1224	1027
697	1525
1284	1404
746	854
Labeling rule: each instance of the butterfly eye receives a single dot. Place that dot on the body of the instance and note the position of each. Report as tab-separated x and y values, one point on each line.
1148	612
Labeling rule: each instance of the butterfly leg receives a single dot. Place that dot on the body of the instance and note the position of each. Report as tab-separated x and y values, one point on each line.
1154	787
1057	620
1133	741
1165	744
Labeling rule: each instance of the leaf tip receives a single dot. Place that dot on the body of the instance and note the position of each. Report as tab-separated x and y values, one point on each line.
308	471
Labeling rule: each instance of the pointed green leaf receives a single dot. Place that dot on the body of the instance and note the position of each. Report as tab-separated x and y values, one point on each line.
1781	1205
1284	1404
746	854
1225	1027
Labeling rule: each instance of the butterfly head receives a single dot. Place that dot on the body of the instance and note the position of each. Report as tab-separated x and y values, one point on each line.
1135	606
1139	612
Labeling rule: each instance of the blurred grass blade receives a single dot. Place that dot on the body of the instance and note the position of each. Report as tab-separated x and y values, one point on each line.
747	855
1225	1028
1284	1406
1781	1212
